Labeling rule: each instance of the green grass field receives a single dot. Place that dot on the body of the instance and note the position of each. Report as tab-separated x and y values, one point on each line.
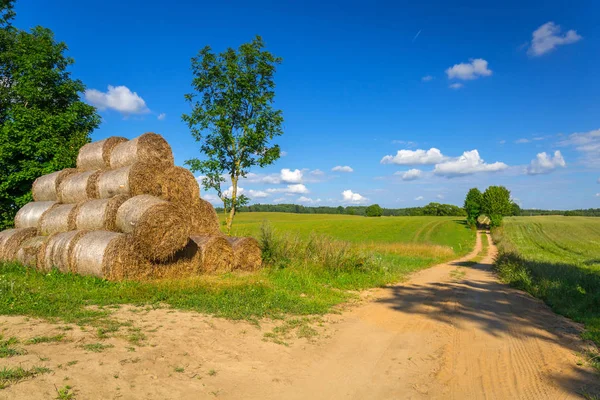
313	262
556	259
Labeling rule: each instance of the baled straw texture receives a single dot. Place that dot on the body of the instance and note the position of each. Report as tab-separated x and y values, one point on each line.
132	180
30	214
148	148
96	155
79	187
29	251
158	227
179	185
11	240
108	255
45	188
57	251
215	253
58	219
247	254
98	215
203	218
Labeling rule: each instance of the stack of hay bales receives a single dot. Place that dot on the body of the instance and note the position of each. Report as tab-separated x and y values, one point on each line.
125	212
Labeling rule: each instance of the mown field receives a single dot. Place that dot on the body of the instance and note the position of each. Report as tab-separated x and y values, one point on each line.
312	263
556	259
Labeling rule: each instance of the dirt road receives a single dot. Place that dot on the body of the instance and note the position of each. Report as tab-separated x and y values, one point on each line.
452	332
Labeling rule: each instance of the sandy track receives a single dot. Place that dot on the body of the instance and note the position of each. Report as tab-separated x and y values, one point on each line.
452	332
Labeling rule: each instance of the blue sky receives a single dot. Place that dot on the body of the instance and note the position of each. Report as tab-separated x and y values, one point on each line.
425	83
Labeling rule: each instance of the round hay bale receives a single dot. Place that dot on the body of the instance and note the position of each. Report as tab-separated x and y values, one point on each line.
56	252
11	240
98	215
30	214
96	155
60	218
203	218
108	255
158	227
132	180
185	262
79	187
179	185
148	148
247	254
45	188
29	251
214	253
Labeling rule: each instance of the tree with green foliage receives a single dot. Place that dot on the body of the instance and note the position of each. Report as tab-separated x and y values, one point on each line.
233	117
43	122
473	205
496	204
516	210
374	210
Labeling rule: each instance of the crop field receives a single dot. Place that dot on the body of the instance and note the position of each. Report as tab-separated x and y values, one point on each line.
558	260
312	263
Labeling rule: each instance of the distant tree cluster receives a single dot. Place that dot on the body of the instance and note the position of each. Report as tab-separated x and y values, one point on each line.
495	203
430	209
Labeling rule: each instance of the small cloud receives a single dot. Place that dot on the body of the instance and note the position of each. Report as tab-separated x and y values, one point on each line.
427	78
161	116
544	164
118	98
341	168
522	141
298	189
259	194
415	157
548	36
351	197
502	142
440	196
456	86
317	172
468	71
212	198
597	194
289	176
469	163
307	200
419	198
409	175
283	153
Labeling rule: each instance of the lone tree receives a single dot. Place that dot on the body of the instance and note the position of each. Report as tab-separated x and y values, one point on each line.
497	204
473	205
233	117
374	210
43	122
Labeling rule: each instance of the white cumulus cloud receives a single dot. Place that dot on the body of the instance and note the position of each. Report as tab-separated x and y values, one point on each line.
415	157
469	163
544	163
297	188
419	198
161	116
548	36
588	143
350	197
468	71
259	194
343	168
307	200
118	98
289	176
409	175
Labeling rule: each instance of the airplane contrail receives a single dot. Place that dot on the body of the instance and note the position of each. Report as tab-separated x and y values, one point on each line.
417	35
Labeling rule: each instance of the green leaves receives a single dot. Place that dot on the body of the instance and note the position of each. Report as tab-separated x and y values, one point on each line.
233	116
43	122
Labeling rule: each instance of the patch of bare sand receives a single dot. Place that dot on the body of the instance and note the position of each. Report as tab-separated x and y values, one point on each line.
452	332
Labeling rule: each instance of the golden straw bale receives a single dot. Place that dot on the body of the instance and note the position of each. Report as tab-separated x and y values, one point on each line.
108	255
79	187
30	214
97	215
45	188
56	252
29	251
148	148
247	254
215	252
132	180
203	218
96	155
11	240
179	185
60	218
158	227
